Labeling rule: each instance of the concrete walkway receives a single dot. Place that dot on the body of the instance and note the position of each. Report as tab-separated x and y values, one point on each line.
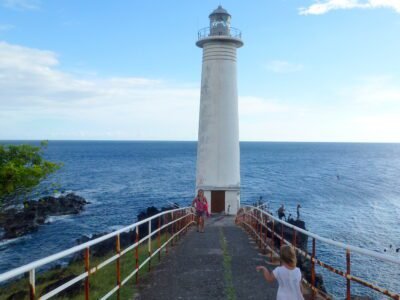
217	264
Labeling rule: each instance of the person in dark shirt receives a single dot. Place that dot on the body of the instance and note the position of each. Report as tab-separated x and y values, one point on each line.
281	212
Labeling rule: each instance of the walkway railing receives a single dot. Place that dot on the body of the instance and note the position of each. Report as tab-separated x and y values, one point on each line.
171	224
263	226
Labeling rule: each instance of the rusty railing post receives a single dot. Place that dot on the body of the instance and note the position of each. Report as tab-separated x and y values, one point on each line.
159	239
281	234
254	221
166	233
118	248
87	269
32	285
313	268
184	223
294	238
180	224
348	292
137	255
259	233
273	236
149	245
265	234
176	226
187	221
172	229
256	229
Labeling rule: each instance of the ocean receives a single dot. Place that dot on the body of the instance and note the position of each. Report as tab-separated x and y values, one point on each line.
349	192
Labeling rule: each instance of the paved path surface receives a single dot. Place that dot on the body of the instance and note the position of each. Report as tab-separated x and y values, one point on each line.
217	264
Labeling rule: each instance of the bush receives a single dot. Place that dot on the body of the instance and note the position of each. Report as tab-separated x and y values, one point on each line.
22	167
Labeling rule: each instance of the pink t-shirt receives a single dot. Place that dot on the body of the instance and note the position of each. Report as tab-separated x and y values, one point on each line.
200	205
289	283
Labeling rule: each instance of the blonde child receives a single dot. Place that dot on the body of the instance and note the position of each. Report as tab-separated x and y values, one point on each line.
287	275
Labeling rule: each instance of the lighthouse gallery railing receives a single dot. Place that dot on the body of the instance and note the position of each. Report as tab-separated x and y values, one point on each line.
206	32
261	224
171	223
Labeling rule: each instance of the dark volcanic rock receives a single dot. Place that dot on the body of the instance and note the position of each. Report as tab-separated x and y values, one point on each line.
19	222
305	267
52	206
72	291
288	233
301	242
18	295
126	238
53	274
103	248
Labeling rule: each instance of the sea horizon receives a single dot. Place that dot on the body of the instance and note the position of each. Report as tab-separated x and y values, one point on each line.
191	141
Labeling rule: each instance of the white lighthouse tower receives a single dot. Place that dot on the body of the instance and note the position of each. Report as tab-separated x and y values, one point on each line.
218	154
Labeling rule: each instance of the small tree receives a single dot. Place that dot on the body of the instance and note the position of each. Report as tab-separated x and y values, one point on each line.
22	167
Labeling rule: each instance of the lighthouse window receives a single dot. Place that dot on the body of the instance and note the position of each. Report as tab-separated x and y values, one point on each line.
221	21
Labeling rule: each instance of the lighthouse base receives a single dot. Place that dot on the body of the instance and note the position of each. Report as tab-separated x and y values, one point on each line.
223	201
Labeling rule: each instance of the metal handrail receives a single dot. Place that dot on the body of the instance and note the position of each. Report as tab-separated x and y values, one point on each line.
206	32
181	214
256	225
344	246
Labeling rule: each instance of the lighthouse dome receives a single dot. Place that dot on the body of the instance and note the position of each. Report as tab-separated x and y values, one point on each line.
219	10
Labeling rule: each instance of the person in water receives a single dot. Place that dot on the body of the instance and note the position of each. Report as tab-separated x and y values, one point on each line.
287	275
201	206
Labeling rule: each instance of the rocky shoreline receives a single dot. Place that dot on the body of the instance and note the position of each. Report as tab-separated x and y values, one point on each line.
17	222
126	238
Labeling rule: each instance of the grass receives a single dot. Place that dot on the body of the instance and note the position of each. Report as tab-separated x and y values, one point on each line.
101	282
229	287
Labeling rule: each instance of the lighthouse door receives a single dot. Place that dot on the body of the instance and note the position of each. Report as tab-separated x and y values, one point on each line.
217	201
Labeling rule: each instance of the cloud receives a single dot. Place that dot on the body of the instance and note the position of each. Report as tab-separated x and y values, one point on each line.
263	119
377	127
281	66
377	91
365	111
6	27
21	4
325	6
37	100
251	107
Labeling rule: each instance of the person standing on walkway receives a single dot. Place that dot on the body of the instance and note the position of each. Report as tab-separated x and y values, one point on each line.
287	275
281	212
298	211
201	205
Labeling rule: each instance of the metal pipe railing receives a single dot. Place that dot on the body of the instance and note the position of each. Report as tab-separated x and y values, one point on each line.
180	219
253	216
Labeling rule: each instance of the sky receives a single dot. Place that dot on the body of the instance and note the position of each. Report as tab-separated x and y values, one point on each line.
326	70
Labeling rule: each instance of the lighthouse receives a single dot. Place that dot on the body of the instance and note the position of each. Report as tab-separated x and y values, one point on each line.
218	153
